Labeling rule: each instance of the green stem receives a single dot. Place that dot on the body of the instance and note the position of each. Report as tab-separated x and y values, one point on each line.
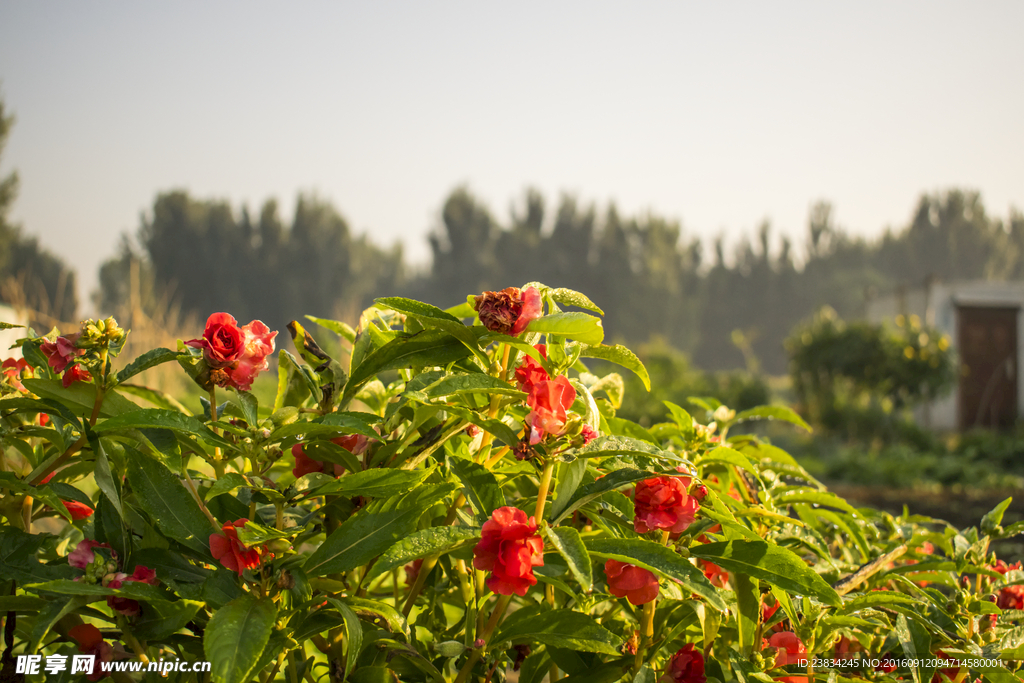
542	493
492	623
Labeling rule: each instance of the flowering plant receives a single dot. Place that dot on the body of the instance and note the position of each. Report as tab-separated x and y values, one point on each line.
456	500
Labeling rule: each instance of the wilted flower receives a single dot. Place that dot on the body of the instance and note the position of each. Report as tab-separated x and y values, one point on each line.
663	503
508	311
509	548
61	352
636	584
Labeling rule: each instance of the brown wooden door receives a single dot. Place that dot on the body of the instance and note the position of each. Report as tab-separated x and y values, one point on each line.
988	362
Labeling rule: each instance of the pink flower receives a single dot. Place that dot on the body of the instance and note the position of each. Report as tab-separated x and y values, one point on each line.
61	352
509	548
82	556
236	355
636	584
12	370
549	400
589	434
662	503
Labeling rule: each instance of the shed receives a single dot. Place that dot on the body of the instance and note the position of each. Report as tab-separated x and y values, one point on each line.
985	327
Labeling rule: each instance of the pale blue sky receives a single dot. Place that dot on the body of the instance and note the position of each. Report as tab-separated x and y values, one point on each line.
718	114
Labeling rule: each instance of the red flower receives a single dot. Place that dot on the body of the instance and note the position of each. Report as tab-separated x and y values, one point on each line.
951	673
82	556
1010	597
78	510
715	574
12	369
354	443
236	355
90	642
229	551
508	311
61	352
531	372
662	503
686	666
791	650
74	373
636	584
549	401
589	434
126	606
509	548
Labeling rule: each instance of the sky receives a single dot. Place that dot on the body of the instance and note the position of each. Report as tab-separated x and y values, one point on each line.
720	115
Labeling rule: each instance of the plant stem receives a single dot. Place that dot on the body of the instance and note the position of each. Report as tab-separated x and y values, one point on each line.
421	578
542	493
647	634
213	418
195	494
76	446
492	623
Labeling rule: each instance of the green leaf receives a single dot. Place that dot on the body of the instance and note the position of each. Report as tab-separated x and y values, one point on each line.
613	446
160	399
580	326
362	537
380	613
994	517
562	628
570	546
771	563
376	483
497	428
609	482
353	634
105	477
9	326
249	406
471	383
877	599
134	590
748	611
570	474
150	359
619	355
341	329
727	456
428	348
21	603
229	482
571	297
773	413
803	495
163	496
236	637
657	558
55	610
18	558
916	647
158	418
479	484
80	397
422	543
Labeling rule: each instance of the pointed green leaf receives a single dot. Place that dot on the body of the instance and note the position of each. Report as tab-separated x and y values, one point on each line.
609	482
570	546
582	327
569	476
748	611
422	543
158	418
471	383
479	484
376	483
562	628
80	397
619	355
773	413
341	329
768	562
571	297
150	359
236	637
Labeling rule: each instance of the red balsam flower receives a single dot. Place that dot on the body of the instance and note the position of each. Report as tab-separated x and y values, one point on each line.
636	584
12	369
686	666
78	510
549	400
1010	597
531	372
715	574
791	650
509	548
662	503
236	355
508	311
229	551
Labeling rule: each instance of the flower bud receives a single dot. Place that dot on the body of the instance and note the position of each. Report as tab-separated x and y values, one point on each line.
279	545
723	414
479	642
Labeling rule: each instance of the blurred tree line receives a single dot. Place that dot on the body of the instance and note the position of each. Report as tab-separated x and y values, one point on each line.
30	277
653	280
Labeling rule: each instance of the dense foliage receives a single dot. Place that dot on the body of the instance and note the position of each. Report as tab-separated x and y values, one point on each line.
458	501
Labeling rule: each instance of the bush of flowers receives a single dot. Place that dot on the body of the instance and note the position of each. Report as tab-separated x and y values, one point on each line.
454	499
